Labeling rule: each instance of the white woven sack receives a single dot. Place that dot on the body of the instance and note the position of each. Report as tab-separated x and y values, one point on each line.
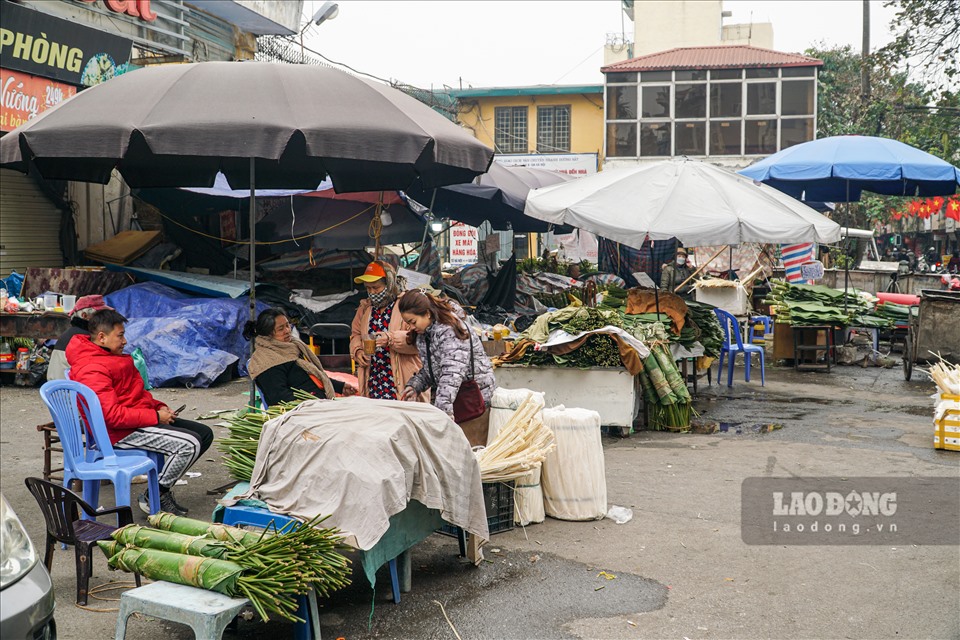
528	497
573	476
504	403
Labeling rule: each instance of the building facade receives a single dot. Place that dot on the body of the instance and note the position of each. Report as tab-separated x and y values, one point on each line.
51	49
658	26
729	104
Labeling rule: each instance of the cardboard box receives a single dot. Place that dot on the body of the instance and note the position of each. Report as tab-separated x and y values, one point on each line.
494	347
732	299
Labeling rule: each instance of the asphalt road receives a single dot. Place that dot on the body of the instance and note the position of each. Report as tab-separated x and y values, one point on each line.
681	568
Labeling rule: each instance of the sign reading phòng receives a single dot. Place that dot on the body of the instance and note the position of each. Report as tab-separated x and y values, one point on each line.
50	47
24	97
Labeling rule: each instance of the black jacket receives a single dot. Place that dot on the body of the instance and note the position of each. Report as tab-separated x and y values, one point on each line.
277	383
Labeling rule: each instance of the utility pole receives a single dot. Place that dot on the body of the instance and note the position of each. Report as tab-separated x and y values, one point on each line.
865	56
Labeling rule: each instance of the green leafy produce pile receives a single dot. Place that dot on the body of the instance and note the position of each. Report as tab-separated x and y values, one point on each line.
711	334
806	304
668	402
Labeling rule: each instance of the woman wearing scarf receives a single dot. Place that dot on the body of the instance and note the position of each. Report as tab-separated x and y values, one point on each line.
282	363
383	374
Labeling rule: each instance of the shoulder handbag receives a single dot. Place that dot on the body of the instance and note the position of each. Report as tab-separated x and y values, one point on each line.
469	403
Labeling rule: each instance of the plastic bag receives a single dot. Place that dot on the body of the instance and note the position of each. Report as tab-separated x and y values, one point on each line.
12	283
141	363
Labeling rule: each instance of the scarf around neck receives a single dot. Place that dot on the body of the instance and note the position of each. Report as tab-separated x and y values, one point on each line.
270	352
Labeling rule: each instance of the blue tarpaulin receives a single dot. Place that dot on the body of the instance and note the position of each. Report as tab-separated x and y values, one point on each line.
185	340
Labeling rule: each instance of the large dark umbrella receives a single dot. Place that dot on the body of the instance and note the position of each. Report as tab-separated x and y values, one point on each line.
839	168
261	124
498	196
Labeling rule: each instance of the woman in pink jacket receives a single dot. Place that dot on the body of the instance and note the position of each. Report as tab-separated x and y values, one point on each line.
383	374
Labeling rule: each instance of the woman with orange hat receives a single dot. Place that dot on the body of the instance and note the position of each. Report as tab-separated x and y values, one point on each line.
378	340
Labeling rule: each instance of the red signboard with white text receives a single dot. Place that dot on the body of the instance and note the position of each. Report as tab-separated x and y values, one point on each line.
24	97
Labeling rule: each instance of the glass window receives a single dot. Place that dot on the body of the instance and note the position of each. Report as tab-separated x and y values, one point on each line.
655	139
759	137
726	74
553	129
621	103
726	100
724	137
691	138
794	131
511	129
656	76
761	73
622	140
796	98
798	72
656	102
621	77
693	74
691	101
761	98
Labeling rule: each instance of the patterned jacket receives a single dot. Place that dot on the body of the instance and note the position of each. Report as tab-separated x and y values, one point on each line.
450	359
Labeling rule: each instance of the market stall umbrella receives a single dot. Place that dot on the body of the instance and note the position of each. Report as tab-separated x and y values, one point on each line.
696	202
272	125
178	125
838	168
498	197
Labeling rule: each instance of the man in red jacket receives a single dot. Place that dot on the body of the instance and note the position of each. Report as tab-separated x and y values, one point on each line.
135	420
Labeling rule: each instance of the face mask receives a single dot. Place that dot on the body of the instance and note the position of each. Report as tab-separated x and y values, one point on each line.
681	260
380	300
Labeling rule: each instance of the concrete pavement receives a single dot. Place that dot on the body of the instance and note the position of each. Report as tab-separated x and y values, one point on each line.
682	570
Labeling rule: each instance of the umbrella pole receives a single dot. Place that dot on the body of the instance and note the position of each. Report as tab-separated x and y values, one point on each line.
252	296
426	229
846	259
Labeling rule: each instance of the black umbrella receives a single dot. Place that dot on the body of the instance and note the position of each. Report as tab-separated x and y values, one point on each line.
497	196
272	125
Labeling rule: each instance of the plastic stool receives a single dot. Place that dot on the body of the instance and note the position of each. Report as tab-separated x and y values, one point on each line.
206	612
754	321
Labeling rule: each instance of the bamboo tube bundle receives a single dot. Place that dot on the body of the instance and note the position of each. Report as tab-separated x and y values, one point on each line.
521	446
271	570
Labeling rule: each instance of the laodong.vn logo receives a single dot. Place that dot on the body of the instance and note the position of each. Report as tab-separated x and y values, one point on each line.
827	511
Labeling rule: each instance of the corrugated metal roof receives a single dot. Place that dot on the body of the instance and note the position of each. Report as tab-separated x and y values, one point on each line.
718	57
535	90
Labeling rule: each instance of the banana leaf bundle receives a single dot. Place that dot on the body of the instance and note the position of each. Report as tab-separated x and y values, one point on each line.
270	570
669	405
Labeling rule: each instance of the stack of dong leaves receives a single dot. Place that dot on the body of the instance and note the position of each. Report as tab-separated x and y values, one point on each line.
811	304
271	569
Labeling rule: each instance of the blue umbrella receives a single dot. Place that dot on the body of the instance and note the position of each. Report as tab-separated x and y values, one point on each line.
838	168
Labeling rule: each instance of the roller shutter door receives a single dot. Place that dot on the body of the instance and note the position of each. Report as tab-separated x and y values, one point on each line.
29	225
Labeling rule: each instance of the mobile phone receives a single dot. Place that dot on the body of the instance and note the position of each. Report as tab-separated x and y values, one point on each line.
181	408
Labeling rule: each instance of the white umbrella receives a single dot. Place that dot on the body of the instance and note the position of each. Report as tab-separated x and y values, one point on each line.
696	202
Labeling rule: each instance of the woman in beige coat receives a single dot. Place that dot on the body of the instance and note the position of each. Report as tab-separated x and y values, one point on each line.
383	374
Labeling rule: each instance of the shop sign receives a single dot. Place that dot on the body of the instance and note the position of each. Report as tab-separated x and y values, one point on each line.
574	164
24	97
50	47
135	8
463	244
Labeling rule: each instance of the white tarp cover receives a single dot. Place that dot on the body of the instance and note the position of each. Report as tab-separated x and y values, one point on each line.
696	202
362	461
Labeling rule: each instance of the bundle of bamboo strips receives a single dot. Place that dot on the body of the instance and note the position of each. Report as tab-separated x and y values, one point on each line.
521	446
946	376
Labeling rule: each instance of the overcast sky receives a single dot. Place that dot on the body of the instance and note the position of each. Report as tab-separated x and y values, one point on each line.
502	43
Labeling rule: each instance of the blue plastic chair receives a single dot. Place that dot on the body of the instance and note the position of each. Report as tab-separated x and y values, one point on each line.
734	345
65	399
